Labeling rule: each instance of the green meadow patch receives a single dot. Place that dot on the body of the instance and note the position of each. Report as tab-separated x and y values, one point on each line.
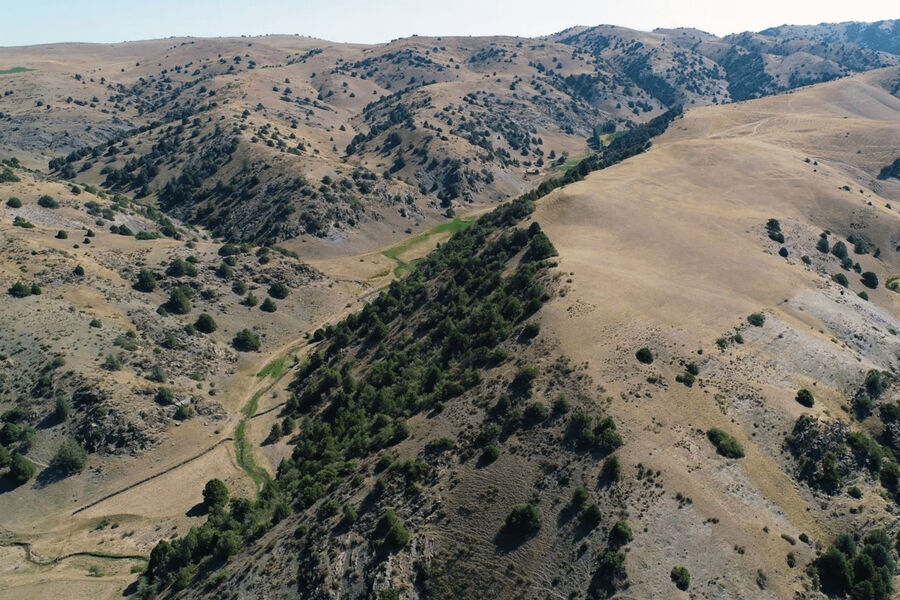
15	70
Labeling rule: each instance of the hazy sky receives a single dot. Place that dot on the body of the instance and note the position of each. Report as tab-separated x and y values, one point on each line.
41	21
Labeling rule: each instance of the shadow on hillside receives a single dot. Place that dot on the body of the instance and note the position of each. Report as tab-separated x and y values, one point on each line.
197	510
49	475
508	540
7	484
131	589
49	421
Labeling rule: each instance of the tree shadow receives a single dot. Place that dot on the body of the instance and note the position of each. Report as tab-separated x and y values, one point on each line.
197	510
131	589
484	461
508	540
566	515
50	475
7	484
49	421
583	529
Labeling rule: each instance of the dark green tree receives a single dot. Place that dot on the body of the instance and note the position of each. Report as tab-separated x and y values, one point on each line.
215	494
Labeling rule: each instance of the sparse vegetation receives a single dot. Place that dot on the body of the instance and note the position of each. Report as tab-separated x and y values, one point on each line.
70	457
805	398
246	341
644	355
725	444
681	578
46	201
523	519
205	323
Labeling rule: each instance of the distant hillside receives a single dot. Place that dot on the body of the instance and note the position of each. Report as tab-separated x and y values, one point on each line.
274	138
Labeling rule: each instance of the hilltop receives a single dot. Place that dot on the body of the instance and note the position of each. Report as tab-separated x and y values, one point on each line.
284	138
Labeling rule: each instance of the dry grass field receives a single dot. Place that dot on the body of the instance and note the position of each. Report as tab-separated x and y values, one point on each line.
668	250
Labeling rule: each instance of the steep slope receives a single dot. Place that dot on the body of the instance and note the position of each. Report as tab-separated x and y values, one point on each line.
670	250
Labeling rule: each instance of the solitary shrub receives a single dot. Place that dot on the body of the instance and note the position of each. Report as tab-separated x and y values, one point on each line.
592	515
14	202
524	378
523	519
822	245
20	468
839	250
757	319
62	235
279	290
215	493
46	201
183	413
531	330
250	300
725	444
178	302
229	250
644	355
875	383
146	281
805	398
393	535
681	577
112	363
268	305
783	252
620	534
78	271
490	453
71	457
62	409
246	341
580	495
165	395
180	268
840	279
205	323
535	413
870	279
19	290
612	469
350	513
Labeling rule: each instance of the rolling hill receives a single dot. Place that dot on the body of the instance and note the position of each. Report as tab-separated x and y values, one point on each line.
604	314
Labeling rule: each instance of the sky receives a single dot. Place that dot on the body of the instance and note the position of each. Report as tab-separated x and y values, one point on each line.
373	21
